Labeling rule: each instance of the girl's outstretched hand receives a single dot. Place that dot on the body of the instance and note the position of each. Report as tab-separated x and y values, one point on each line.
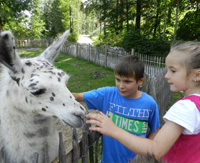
102	123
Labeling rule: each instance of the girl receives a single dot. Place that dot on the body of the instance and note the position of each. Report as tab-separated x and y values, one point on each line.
179	138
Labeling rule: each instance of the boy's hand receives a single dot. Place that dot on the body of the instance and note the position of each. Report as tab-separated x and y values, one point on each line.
104	125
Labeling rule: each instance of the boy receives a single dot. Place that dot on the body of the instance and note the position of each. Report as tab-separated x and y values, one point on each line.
129	108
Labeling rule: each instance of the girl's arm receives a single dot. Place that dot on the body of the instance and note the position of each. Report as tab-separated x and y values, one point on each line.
153	134
158	147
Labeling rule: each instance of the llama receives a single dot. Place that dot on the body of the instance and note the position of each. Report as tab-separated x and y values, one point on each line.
32	93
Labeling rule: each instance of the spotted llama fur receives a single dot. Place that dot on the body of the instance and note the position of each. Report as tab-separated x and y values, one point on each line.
32	93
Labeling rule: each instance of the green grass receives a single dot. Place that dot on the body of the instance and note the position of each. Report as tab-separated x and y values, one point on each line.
30	53
82	73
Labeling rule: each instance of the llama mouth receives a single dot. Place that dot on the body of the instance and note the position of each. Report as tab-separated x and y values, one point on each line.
77	123
66	123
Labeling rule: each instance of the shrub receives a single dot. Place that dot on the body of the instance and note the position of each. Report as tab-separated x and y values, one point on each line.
154	47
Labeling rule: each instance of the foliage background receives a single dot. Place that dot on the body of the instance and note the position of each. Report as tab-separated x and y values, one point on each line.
148	27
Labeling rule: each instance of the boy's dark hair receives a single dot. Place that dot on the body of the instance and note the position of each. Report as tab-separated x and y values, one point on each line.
130	66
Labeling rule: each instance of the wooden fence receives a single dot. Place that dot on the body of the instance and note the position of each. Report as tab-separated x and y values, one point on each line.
84	150
154	84
33	43
108	56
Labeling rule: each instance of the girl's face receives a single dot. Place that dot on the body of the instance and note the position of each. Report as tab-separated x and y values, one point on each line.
177	76
128	86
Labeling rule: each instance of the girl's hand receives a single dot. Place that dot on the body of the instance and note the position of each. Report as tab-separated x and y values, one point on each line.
102	123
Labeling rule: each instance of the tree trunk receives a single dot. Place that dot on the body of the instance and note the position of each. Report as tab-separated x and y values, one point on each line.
117	17
169	16
138	16
127	16
1	26
177	5
104	13
121	14
157	22
70	14
165	20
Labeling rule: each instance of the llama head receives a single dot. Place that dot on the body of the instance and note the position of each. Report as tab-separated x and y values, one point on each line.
40	85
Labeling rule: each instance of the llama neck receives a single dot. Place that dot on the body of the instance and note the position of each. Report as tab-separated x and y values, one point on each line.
21	129
28	133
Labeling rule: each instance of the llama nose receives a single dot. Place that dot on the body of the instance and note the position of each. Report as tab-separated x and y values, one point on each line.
81	116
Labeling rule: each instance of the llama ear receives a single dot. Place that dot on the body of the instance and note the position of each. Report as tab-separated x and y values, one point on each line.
8	54
52	51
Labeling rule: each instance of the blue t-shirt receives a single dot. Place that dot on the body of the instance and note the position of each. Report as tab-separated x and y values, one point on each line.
132	115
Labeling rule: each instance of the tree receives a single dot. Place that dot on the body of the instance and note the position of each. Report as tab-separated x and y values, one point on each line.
53	17
36	24
60	15
12	10
189	26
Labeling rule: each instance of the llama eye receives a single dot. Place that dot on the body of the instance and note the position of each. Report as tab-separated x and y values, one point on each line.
38	92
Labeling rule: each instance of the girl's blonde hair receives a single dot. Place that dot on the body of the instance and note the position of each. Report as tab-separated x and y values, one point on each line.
192	50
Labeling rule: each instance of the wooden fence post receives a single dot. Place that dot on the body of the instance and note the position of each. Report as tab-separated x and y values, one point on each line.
62	150
152	87
132	51
106	54
89	52
91	153
84	144
97	138
75	147
76	50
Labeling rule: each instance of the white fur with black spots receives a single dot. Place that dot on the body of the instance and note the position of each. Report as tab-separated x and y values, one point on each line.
32	92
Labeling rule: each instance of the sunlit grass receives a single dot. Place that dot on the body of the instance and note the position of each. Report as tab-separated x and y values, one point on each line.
29	53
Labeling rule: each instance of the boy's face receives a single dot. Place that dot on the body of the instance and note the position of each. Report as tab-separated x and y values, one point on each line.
128	86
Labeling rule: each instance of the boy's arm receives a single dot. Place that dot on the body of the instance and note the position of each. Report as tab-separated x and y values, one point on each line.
78	97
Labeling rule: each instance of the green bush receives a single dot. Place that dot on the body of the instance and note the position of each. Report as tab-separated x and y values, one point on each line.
134	40
73	37
154	47
111	39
